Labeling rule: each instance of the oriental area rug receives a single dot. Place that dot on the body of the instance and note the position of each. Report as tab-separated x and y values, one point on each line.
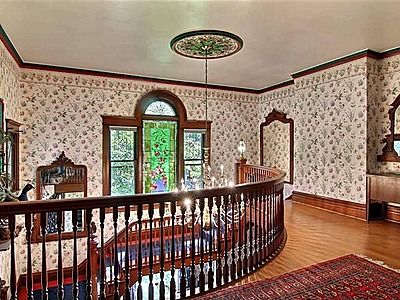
347	277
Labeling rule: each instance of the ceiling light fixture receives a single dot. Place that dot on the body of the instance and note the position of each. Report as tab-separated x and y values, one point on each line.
207	44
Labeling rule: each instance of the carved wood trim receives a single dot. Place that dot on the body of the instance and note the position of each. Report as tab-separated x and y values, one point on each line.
12	127
137	121
388	151
342	207
275	115
392	213
61	160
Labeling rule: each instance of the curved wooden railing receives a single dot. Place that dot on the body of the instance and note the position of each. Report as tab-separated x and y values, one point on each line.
170	246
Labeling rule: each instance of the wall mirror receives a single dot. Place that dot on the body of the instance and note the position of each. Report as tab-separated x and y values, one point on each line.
276	143
391	150
59	180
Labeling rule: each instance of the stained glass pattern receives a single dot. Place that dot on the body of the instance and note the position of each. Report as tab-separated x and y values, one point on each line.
122	160
193	155
160	108
159	156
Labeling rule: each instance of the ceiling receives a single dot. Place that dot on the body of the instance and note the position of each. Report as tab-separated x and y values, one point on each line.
132	37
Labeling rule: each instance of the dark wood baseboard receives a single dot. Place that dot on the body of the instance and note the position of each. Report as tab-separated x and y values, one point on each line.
392	213
351	209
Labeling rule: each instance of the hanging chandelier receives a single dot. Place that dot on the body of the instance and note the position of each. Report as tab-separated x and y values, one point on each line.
207	44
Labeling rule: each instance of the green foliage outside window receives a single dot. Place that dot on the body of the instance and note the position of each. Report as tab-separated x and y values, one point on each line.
193	148
122	161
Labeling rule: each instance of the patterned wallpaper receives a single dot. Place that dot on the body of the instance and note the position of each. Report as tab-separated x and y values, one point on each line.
329	113
9	73
9	76
62	112
383	88
277	146
332	153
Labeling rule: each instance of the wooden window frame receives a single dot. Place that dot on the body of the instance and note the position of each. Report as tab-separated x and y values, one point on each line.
137	121
13	128
203	142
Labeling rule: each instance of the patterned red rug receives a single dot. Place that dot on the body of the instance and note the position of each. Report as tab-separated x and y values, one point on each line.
346	277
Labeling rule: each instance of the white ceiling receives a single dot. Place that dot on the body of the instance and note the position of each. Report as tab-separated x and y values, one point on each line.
132	37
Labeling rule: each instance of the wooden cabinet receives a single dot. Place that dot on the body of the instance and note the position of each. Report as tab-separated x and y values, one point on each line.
381	189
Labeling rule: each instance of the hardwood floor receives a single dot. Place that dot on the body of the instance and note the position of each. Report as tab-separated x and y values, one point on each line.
315	235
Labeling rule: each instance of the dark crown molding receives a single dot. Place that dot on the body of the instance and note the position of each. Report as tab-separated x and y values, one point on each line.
345	59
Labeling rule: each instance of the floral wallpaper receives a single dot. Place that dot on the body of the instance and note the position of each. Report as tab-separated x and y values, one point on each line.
277	146
9	75
336	137
383	88
329	113
62	112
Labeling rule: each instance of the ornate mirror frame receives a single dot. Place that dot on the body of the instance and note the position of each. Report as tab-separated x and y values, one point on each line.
275	115
388	151
73	179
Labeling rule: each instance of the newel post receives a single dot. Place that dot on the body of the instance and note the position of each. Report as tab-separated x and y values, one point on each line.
94	257
239	171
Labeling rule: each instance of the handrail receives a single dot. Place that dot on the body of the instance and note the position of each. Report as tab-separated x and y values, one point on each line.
194	240
41	206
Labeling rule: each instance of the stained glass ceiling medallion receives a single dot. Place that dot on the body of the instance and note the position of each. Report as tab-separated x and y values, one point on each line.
206	43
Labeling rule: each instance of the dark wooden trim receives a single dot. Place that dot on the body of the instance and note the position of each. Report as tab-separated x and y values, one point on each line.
275	115
277	86
52	277
137	121
338	61
348	58
44	206
50	68
10	47
388	152
35	66
62	160
392	213
390	52
120	121
13	128
350	209
162	95
106	159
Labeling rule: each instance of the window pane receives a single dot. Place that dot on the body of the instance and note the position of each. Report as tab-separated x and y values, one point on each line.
122	142
159	156
122	178
397	147
193	175
160	108
193	145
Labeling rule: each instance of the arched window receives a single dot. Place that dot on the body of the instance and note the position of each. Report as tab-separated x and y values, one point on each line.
168	147
160	108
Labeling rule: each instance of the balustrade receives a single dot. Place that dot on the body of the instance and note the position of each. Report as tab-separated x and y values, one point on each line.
161	246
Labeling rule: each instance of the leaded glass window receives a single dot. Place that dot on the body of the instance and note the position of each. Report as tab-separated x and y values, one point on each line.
160	162
160	108
193	158
122	160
